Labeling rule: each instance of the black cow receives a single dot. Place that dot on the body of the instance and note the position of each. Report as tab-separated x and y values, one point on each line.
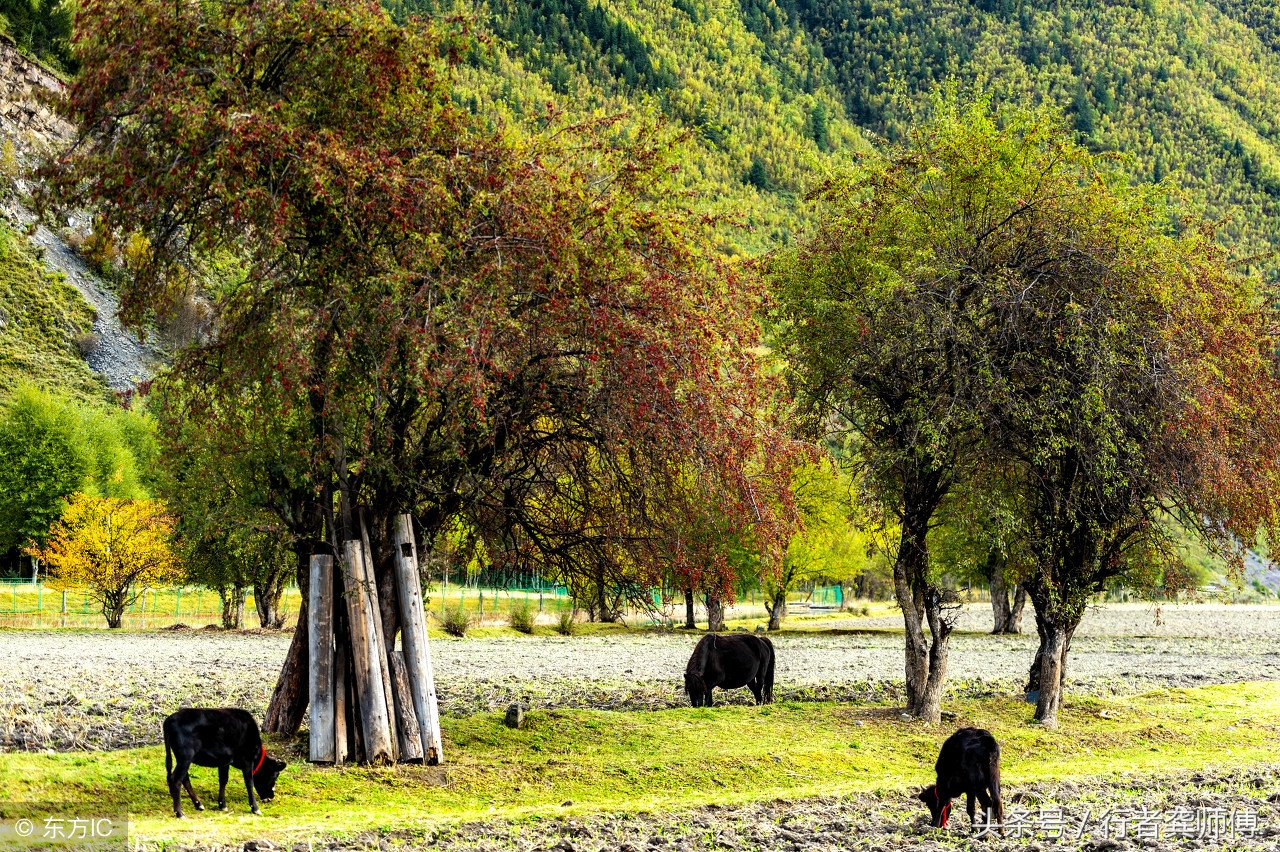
968	764
222	738
730	662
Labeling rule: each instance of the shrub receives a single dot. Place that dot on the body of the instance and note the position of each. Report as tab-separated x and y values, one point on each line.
522	618
455	622
88	343
565	626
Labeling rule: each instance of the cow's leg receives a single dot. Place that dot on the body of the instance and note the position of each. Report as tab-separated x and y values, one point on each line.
757	689
175	781
988	811
969	807
224	772
248	785
186	783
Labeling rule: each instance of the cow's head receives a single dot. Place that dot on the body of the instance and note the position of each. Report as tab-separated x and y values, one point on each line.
694	688
939	807
264	780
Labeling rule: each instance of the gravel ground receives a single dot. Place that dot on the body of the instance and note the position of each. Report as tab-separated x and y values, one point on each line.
889	822
100	690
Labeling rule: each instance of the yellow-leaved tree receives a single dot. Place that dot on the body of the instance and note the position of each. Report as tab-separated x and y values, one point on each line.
113	547
830	546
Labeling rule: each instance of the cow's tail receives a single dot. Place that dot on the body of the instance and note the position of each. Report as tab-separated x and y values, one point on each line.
168	761
768	672
996	804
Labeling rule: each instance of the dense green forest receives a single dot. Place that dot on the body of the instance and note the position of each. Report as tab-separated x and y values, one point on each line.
774	92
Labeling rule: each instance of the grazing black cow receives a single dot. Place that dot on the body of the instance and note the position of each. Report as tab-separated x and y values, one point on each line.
730	662
968	764
222	738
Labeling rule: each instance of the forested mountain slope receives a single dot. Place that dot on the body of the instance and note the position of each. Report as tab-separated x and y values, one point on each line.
762	116
773	90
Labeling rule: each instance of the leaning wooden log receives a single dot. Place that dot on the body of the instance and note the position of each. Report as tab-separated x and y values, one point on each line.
365	663
413	635
288	704
407	730
320	651
375	614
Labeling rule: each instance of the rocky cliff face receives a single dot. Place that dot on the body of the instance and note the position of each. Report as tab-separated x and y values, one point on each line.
30	130
25	118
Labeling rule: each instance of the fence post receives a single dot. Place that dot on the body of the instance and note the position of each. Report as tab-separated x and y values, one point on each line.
320	635
177	604
64	607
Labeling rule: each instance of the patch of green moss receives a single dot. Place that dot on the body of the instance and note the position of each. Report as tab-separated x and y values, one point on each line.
41	319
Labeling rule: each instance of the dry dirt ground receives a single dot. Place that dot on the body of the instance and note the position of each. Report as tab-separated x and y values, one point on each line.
1180	811
70	690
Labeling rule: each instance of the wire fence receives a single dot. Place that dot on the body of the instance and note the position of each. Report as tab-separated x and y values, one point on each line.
27	604
38	605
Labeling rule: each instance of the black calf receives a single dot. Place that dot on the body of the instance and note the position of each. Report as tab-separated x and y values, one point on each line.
968	764
221	738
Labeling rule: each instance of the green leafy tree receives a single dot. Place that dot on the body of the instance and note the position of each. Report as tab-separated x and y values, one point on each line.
829	546
53	446
885	322
1116	401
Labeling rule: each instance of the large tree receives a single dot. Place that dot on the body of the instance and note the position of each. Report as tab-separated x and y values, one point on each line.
887	320
1135	388
994	309
523	333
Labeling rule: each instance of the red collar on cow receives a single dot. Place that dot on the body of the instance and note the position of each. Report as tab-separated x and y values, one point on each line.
262	757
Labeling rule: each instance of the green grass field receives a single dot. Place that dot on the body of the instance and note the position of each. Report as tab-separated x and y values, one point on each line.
581	761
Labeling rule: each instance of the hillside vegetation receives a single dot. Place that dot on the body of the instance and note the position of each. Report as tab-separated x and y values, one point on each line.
42	320
773	92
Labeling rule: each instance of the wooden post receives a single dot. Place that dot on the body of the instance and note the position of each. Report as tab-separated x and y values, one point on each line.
340	751
320	655
388	688
413	635
408	731
374	719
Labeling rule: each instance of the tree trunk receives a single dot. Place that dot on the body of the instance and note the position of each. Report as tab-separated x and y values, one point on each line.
267	597
777	609
689	622
715	613
1049	669
113	611
1014	624
1000	609
1052	668
232	607
926	661
1033	675
289	700
607	615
